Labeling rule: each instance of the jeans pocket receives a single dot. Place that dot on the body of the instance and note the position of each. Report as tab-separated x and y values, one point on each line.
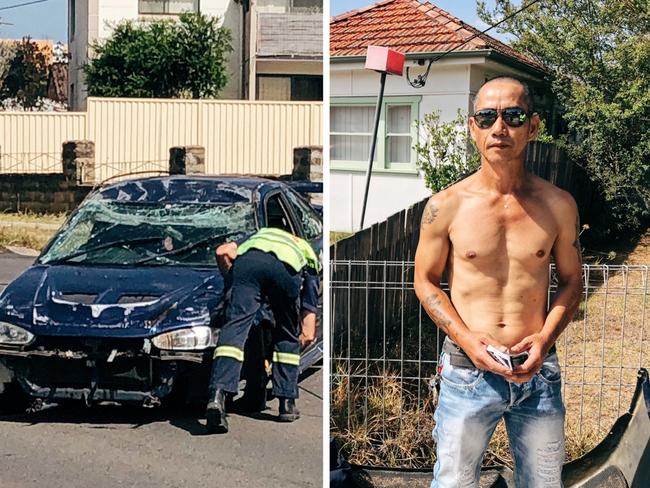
456	377
550	372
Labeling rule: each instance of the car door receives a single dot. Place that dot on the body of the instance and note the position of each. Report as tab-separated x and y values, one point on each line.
308	220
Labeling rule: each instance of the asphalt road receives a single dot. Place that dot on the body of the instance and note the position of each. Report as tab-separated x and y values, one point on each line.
11	265
112	446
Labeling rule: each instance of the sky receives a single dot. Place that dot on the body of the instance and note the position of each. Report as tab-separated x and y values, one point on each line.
46	20
49	19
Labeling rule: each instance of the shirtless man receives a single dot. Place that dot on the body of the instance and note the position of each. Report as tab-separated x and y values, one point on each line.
495	233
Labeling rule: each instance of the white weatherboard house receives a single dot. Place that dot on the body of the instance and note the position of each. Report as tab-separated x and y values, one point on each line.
422	31
276	43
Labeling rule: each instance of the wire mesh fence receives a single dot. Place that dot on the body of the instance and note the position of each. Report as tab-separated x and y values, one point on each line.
384	351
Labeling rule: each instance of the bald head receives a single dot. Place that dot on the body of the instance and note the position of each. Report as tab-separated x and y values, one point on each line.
520	85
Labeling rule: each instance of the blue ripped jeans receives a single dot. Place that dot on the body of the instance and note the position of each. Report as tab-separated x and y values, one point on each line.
470	404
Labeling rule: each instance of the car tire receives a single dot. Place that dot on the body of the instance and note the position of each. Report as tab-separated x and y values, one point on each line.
13	399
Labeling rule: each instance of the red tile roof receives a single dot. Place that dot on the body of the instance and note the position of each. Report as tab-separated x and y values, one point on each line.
410	27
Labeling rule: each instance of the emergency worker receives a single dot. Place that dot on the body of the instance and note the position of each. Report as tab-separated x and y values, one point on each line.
282	269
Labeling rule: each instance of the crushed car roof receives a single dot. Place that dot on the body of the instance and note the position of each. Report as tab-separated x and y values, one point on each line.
182	188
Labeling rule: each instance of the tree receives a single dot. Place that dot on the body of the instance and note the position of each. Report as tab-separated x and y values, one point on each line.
7	53
27	74
598	53
161	59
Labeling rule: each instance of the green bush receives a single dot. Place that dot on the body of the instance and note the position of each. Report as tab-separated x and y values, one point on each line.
446	152
161	59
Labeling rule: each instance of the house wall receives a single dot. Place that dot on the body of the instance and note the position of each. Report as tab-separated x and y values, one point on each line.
451	85
85	19
297	67
231	16
447	89
97	21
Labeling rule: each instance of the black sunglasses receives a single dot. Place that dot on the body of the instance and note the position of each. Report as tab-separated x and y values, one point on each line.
512	116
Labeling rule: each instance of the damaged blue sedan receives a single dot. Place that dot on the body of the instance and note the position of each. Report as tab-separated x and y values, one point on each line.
123	303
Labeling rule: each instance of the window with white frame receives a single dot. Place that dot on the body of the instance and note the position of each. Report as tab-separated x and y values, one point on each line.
167	6
351	125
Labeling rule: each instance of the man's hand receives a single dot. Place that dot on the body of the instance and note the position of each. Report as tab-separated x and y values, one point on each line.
475	346
226	254
308	329
537	347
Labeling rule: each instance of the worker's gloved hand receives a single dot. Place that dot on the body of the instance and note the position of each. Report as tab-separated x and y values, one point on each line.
226	254
308	329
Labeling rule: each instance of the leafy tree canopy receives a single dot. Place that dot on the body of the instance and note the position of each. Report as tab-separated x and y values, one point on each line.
161	59
25	74
598	52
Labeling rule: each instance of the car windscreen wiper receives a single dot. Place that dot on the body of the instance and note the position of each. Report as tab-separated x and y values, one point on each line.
106	245
188	247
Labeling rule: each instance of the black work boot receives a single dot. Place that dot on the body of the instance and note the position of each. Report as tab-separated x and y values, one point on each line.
288	410
215	414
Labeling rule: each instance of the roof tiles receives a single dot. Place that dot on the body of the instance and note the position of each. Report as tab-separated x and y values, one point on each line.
409	26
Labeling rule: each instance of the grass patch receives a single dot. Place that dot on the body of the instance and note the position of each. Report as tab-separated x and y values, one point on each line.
383	424
30	238
30	217
29	229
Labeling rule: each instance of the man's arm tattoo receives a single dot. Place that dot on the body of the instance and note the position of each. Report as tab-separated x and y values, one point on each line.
439	318
430	213
576	243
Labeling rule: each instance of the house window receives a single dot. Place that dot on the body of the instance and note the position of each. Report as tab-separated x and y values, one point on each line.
351	125
73	18
297	88
167	6
307	5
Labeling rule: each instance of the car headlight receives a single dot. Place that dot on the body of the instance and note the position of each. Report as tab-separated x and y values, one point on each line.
15	336
192	339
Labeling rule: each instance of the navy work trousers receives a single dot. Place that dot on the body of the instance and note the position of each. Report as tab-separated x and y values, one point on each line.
257	276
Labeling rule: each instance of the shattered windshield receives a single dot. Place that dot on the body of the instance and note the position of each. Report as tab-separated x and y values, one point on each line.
127	233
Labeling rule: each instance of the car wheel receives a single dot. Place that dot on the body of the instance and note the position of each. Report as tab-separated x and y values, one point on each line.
13	399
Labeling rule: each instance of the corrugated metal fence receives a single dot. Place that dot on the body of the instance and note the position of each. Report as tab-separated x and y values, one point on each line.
136	134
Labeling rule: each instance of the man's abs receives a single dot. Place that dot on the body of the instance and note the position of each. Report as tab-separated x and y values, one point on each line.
508	318
501	287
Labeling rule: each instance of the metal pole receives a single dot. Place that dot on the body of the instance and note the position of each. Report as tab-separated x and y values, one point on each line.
374	145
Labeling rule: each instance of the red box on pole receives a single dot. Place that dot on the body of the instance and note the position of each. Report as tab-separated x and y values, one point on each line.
383	59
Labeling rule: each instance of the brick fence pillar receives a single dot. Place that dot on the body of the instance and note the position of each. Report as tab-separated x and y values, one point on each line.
79	162
186	160
308	163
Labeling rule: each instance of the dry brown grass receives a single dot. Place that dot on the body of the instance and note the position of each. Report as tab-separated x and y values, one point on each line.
388	427
31	217
31	238
28	229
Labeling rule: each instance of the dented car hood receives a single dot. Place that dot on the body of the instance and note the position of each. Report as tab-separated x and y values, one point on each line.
104	301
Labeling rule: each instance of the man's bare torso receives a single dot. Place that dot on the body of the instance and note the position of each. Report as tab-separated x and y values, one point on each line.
500	248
